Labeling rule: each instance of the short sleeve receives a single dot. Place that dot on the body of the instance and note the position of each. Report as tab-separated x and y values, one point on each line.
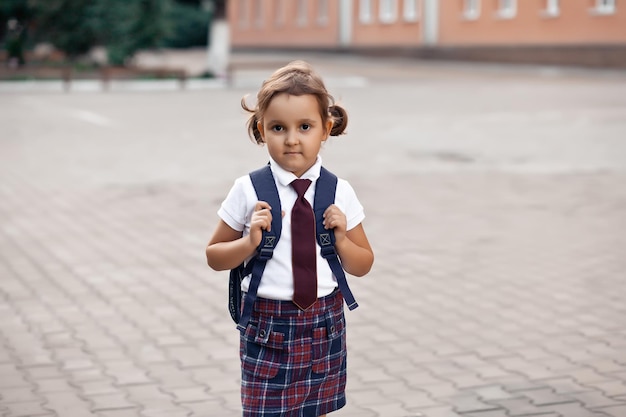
234	209
347	200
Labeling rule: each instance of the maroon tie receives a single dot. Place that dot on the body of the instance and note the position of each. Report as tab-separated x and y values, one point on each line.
303	248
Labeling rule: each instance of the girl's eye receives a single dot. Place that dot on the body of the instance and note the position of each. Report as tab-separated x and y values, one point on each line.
305	126
277	128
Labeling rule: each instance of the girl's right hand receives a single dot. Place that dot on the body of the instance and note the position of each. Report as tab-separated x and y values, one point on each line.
261	220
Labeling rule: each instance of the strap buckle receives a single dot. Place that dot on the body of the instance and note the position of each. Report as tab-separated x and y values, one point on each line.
265	254
266	248
328	251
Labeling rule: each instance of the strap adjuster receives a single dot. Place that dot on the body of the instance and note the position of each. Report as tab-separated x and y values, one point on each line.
328	251
266	253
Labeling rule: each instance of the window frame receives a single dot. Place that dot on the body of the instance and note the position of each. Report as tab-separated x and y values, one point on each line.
471	9
388	11
552	9
604	7
507	9
365	12
411	10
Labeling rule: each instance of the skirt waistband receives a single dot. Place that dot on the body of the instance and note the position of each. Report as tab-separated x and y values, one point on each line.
281	308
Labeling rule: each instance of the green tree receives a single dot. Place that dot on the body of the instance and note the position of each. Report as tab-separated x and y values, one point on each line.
70	25
15	17
122	26
136	25
189	25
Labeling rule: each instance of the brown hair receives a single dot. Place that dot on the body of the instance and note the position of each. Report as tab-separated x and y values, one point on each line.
296	78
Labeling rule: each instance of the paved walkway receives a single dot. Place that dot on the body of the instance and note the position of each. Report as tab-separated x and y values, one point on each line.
495	203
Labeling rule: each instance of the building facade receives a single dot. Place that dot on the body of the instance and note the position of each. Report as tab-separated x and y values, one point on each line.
435	27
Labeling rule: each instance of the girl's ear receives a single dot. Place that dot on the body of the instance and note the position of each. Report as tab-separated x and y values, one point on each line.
259	127
329	127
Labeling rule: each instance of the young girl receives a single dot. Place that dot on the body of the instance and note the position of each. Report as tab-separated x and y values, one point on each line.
293	355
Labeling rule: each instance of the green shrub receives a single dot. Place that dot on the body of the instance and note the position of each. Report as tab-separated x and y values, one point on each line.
189	26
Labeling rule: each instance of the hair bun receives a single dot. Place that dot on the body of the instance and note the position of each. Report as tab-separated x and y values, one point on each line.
340	120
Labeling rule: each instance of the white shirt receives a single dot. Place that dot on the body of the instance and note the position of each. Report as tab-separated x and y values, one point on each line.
236	211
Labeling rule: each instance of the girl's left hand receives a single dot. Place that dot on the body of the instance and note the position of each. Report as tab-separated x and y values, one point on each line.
336	220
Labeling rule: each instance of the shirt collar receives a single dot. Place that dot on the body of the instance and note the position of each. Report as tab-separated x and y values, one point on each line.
285	177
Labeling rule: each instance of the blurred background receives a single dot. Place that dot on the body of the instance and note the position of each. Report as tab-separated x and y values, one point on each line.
486	142
86	35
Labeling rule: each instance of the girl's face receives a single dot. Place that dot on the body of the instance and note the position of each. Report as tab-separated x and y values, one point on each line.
293	130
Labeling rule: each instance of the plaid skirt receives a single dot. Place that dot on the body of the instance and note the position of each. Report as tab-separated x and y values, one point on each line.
293	362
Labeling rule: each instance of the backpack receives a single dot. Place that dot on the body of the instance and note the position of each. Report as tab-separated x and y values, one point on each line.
265	187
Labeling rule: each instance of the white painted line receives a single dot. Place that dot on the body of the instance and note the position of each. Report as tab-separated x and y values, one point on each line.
93	118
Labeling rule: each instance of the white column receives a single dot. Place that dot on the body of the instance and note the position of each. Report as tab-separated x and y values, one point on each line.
219	49
430	22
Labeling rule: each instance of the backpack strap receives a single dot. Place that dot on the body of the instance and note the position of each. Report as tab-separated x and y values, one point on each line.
265	187
325	196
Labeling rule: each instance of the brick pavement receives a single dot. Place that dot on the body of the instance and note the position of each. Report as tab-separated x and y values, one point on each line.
499	280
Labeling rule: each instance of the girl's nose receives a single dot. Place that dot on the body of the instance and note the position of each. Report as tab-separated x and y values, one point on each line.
291	138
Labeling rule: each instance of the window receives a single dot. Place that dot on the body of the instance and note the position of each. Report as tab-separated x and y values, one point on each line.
322	12
507	9
388	11
302	12
365	11
604	7
471	9
552	8
409	10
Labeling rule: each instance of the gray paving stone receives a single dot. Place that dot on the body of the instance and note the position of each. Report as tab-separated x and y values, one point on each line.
445	411
66	403
614	388
482	290
467	380
12	377
26	409
441	391
465	403
390	409
98	387
574	409
19	394
368	397
607	366
206	408
614	411
54	385
564	385
191	394
588	376
491	413
373	375
519	406
595	399
165	412
36	373
349	411
125	372
541	397
119	413
492	392
112	401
